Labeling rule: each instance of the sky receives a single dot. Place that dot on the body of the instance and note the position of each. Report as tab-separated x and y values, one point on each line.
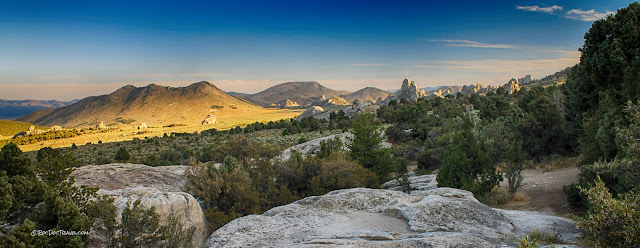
66	50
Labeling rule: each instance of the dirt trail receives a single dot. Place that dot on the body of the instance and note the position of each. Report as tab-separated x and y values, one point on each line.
545	190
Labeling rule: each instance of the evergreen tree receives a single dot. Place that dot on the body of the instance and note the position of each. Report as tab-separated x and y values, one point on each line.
366	146
466	164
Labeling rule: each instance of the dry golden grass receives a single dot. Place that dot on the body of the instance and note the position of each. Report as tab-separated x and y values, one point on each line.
129	132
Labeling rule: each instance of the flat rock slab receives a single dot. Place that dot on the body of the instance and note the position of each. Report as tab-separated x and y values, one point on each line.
442	217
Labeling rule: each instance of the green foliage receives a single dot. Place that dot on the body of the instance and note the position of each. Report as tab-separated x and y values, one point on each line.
611	222
174	235
366	146
606	77
542	127
526	242
122	155
466	164
139	226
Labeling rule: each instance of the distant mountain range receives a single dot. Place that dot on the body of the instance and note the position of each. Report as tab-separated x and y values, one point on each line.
152	104
155	104
12	109
305	94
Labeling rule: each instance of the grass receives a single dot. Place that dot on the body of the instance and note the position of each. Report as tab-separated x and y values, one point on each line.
500	197
130	132
182	146
10	128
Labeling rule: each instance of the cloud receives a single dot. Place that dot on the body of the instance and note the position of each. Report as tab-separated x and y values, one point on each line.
204	75
586	15
508	67
469	43
368	64
536	8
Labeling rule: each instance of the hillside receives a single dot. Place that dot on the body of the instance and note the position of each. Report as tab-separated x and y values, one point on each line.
303	93
153	104
12	109
366	94
11	128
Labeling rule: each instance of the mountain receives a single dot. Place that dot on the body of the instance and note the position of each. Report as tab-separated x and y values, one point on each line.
153	104
303	93
366	94
12	109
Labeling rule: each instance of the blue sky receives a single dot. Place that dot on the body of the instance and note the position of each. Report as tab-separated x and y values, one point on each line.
72	49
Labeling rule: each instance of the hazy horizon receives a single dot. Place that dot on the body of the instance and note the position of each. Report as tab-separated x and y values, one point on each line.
71	50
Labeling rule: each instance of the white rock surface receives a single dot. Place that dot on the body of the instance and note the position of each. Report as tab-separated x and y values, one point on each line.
313	146
160	187
442	217
417	183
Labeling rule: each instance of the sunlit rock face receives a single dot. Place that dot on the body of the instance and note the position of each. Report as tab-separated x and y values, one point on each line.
159	187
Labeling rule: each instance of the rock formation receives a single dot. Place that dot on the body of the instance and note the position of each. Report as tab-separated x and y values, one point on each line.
512	86
288	104
101	125
56	128
313	146
154	186
143	126
211	119
336	100
313	110
441	217
30	131
408	91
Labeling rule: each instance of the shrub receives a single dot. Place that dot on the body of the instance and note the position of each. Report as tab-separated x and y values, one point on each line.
122	155
611	222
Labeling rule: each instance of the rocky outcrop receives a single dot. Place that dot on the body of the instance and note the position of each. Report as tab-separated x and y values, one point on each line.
349	110
313	147
417	183
288	104
211	119
442	217
512	86
143	126
101	126
30	131
311	111
56	128
159	187
336	100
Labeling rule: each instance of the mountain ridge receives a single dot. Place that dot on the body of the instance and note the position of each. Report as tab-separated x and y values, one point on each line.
153	104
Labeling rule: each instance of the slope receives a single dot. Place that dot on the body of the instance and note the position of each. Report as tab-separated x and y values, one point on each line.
153	104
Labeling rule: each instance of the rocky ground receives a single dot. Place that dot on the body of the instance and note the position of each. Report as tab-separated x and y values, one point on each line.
430	217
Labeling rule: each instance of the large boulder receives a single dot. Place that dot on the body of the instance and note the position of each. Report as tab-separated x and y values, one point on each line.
211	119
441	217
312	147
56	128
143	126
101	126
311	111
159	187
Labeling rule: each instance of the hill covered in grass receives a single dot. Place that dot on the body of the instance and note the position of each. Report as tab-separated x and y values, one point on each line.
11	128
153	104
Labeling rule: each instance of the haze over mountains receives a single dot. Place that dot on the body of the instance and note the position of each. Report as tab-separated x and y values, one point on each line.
11	109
